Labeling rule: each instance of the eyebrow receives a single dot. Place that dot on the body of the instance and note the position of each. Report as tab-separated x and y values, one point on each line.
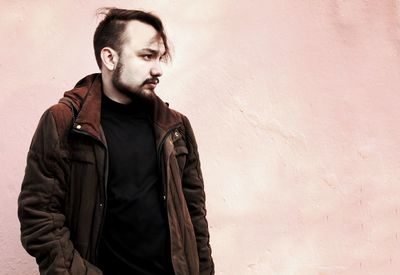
155	52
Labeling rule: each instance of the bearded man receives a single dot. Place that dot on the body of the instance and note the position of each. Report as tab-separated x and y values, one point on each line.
113	183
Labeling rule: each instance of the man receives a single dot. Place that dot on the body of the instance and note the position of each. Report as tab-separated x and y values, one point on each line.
113	182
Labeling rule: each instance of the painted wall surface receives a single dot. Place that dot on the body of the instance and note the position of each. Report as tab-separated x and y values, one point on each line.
295	109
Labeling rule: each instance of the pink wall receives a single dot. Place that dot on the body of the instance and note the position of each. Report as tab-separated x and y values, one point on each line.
295	106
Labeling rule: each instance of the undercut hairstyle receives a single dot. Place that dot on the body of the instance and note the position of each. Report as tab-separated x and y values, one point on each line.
110	31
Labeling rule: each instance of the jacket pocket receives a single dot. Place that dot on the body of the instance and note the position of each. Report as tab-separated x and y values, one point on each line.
82	156
82	186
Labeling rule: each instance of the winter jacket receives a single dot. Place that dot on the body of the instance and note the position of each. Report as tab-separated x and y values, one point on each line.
63	198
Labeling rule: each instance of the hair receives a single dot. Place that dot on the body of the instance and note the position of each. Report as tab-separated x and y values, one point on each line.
110	31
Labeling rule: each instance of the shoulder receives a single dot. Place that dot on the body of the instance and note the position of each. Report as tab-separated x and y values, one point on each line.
182	119
58	116
175	113
187	127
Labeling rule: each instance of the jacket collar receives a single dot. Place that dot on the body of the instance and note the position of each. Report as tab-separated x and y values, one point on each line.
85	99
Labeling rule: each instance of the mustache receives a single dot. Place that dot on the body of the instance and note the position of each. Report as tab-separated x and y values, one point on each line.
153	80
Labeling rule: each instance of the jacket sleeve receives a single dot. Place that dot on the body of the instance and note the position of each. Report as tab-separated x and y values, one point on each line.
193	188
41	203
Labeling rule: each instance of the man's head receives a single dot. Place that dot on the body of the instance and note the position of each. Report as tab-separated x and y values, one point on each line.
129	46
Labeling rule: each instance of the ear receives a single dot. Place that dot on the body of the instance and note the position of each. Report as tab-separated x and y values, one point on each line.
109	58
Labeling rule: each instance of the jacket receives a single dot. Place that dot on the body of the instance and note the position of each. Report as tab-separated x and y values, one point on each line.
63	197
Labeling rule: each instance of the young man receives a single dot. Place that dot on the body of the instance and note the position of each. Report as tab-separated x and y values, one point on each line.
113	182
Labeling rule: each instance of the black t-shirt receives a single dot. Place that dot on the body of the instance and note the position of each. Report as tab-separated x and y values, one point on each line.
135	233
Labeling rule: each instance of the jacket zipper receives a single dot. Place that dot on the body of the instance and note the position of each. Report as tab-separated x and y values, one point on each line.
164	184
159	151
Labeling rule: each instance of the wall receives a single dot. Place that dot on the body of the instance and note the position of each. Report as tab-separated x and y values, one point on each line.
294	105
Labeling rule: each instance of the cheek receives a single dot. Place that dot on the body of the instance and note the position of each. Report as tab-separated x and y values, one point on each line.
129	75
134	71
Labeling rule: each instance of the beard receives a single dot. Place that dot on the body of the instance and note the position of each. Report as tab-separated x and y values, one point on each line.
130	91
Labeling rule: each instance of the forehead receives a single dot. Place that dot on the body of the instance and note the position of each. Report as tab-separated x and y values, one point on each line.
139	36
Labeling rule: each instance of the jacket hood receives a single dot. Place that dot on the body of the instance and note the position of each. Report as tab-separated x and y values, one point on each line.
85	100
78	94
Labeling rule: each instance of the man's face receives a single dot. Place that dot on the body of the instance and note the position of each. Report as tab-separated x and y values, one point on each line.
139	63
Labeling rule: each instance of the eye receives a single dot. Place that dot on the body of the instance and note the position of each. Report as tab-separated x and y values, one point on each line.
147	57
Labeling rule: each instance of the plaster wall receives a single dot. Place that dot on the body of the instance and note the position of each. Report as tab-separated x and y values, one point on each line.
295	109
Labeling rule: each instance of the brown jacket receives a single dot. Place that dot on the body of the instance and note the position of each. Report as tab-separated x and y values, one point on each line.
63	199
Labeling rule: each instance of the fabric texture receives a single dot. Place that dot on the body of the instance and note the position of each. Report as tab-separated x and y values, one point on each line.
62	202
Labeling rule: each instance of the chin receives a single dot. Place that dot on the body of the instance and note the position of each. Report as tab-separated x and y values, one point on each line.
144	94
147	93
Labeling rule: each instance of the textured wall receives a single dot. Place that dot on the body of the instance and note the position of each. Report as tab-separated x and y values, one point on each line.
295	107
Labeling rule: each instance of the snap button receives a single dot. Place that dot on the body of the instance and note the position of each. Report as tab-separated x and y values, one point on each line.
101	205
164	197
78	126
176	134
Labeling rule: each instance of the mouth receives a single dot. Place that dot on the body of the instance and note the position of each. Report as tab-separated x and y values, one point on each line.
152	82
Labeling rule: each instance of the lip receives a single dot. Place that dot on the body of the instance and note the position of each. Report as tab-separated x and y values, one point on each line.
151	85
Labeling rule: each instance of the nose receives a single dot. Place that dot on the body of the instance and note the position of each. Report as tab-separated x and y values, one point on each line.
156	70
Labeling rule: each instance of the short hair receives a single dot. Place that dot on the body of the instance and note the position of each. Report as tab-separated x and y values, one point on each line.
110	31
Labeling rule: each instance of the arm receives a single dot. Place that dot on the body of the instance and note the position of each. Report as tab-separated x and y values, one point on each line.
41	204
193	188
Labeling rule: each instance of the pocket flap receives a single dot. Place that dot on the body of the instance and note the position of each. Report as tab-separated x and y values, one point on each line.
82	156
